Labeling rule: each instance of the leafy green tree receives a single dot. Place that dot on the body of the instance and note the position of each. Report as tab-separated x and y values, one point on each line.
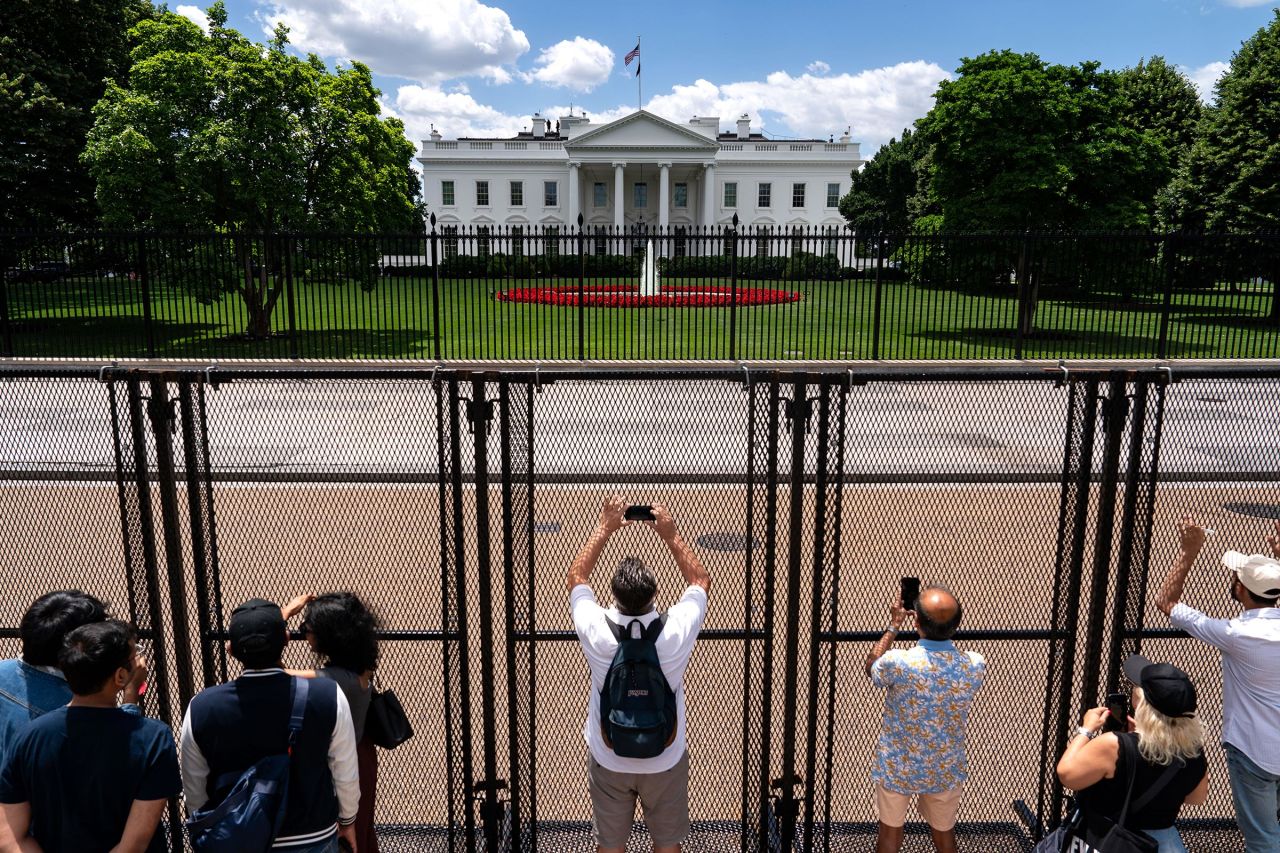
884	194
55	59
1232	174
220	133
1157	98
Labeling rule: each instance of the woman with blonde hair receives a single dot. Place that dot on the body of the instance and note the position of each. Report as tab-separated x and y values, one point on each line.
1166	742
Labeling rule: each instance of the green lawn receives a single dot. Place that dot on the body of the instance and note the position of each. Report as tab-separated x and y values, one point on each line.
101	318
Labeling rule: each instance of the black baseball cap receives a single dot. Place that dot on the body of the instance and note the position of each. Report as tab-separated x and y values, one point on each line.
257	627
1165	687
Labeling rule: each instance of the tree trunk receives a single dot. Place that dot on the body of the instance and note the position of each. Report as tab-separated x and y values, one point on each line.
259	298
1029	303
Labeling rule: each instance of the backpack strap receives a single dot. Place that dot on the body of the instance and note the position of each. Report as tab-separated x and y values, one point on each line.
622	632
1156	787
655	628
301	686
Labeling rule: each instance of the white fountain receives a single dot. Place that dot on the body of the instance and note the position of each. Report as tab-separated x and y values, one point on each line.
649	279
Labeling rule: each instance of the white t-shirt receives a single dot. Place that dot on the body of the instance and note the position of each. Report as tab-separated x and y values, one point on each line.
674	645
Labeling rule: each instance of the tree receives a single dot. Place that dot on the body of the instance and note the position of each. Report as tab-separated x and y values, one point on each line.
55	59
1157	98
1232	174
883	195
220	133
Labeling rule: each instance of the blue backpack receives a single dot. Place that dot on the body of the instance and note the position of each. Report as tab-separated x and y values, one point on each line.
249	818
637	706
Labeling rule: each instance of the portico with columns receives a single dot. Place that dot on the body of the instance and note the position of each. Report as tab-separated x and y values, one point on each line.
635	174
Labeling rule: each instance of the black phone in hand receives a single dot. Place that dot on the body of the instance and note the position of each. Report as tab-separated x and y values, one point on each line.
910	591
639	512
1118	718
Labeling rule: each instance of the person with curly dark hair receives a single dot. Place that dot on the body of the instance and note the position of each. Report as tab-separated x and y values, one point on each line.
340	629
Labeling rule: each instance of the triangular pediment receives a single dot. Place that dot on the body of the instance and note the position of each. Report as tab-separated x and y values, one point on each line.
640	130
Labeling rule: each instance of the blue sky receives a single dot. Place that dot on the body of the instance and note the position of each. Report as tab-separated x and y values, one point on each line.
799	68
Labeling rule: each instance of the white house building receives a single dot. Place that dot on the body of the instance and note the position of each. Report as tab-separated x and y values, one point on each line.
638	173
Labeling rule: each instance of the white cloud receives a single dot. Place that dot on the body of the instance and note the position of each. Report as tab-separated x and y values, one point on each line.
195	16
1205	77
818	67
1240	4
454	114
425	41
580	65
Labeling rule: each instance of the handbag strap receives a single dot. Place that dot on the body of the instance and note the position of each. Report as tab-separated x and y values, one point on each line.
301	686
1130	752
1130	748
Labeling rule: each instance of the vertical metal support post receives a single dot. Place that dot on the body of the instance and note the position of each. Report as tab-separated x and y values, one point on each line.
160	410
1114	410
147	535
879	294
1024	294
770	569
582	294
788	806
1077	476
817	587
1168	251
291	302
200	513
479	415
144	282
6	331
732	238
435	290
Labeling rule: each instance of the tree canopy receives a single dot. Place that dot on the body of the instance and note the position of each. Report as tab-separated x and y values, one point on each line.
883	193
1231	178
216	131
55	59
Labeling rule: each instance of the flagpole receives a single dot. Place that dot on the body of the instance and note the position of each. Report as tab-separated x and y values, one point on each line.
639	59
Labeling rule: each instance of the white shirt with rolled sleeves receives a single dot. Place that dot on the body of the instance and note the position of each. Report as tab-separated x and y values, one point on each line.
674	646
1250	646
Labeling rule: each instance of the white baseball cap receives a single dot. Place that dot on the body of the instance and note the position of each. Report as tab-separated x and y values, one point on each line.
1259	573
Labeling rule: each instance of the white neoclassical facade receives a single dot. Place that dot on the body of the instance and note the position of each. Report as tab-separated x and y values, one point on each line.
640	172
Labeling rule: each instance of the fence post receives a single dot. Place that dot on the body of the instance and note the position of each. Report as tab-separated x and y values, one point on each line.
290	300
732	237
6	334
435	290
582	295
1024	276
875	318
144	281
1168	250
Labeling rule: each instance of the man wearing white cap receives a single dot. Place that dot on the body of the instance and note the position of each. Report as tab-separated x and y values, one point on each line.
1250	646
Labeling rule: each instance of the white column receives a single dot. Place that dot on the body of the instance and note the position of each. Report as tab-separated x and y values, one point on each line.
664	191
574	201
709	195
619	194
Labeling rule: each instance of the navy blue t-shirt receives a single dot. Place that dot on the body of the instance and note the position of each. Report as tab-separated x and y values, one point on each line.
82	768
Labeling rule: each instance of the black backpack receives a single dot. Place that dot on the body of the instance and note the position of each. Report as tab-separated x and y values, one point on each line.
637	706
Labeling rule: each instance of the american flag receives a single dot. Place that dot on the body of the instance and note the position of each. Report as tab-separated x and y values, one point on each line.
626	60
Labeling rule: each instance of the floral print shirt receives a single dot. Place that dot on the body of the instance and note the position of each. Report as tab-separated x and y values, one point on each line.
930	689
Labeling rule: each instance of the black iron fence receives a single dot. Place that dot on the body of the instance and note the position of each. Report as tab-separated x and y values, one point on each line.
454	501
549	292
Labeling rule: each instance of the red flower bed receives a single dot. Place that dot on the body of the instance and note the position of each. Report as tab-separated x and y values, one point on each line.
628	296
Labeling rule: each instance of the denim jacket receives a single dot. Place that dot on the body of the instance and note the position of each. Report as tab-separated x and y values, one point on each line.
26	692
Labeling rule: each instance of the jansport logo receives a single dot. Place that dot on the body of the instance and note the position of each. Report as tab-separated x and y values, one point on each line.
637	692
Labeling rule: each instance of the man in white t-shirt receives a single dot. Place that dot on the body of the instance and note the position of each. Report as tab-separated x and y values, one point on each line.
616	782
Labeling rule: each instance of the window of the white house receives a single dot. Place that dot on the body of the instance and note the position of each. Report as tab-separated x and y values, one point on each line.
602	240
641	197
482	241
765	196
681	247
551	240
451	241
482	193
833	195
762	242
550	194
517	241
446	193
517	193
601	194
682	195
797	195
731	194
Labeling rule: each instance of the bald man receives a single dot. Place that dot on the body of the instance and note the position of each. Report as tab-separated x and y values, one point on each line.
929	690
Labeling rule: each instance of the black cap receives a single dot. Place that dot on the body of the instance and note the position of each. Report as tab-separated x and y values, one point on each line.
1165	687
257	626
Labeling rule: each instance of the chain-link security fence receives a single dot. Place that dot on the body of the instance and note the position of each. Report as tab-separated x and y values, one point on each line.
454	501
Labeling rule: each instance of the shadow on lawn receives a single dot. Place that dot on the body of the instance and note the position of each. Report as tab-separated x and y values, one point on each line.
1062	343
126	337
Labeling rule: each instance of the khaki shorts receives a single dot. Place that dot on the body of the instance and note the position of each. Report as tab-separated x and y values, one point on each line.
665	797
938	810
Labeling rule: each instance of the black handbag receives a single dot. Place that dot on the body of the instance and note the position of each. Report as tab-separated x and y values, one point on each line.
1104	835
387	724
